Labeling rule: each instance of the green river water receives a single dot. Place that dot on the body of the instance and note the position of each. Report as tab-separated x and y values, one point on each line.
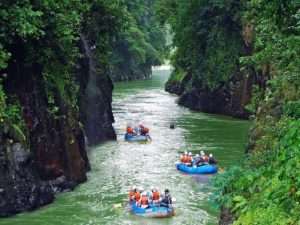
118	165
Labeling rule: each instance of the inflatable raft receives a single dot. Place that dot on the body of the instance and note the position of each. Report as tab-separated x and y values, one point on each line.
204	169
152	211
136	138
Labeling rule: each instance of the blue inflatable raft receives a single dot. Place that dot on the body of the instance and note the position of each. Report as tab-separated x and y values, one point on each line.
136	138
152	211
204	169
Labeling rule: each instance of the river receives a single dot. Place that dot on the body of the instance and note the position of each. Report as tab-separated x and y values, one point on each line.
118	165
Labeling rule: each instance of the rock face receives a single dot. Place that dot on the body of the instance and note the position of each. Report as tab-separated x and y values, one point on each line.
20	186
56	140
130	71
95	97
54	157
228	99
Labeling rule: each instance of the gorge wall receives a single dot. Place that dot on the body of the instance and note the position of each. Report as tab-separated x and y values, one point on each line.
57	62
208	76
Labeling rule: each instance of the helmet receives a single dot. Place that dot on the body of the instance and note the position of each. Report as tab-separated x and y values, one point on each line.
190	153
185	152
210	155
202	153
144	193
197	155
167	191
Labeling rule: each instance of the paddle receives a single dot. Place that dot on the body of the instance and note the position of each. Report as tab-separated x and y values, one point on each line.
148	136
117	206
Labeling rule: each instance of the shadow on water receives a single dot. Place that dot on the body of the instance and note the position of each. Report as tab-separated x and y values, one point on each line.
118	165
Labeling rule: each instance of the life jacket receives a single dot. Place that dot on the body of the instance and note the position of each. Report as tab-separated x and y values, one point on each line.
205	158
189	159
144	130
131	195
137	196
155	195
184	158
129	130
144	200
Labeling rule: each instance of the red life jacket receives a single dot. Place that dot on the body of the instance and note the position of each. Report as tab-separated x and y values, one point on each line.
155	195
144	200
184	159
189	159
137	196
144	130
129	130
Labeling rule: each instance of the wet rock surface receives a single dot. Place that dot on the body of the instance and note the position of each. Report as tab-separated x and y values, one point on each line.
21	189
228	99
54	157
95	97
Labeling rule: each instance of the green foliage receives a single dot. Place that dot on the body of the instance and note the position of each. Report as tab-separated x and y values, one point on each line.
11	121
207	38
267	193
265	189
141	43
177	76
39	39
292	109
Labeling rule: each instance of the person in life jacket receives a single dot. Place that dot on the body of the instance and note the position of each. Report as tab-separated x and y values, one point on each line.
204	156
199	160
155	195
137	194
144	201
189	159
129	130
143	130
212	160
183	157
167	199
132	193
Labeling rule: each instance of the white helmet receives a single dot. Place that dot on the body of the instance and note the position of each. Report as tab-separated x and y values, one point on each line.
144	193
190	153
185	152
202	153
210	155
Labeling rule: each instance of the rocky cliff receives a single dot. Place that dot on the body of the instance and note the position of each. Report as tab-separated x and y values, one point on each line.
95	96
210	40
228	98
53	157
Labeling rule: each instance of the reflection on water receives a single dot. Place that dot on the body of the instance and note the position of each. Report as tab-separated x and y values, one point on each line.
118	165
